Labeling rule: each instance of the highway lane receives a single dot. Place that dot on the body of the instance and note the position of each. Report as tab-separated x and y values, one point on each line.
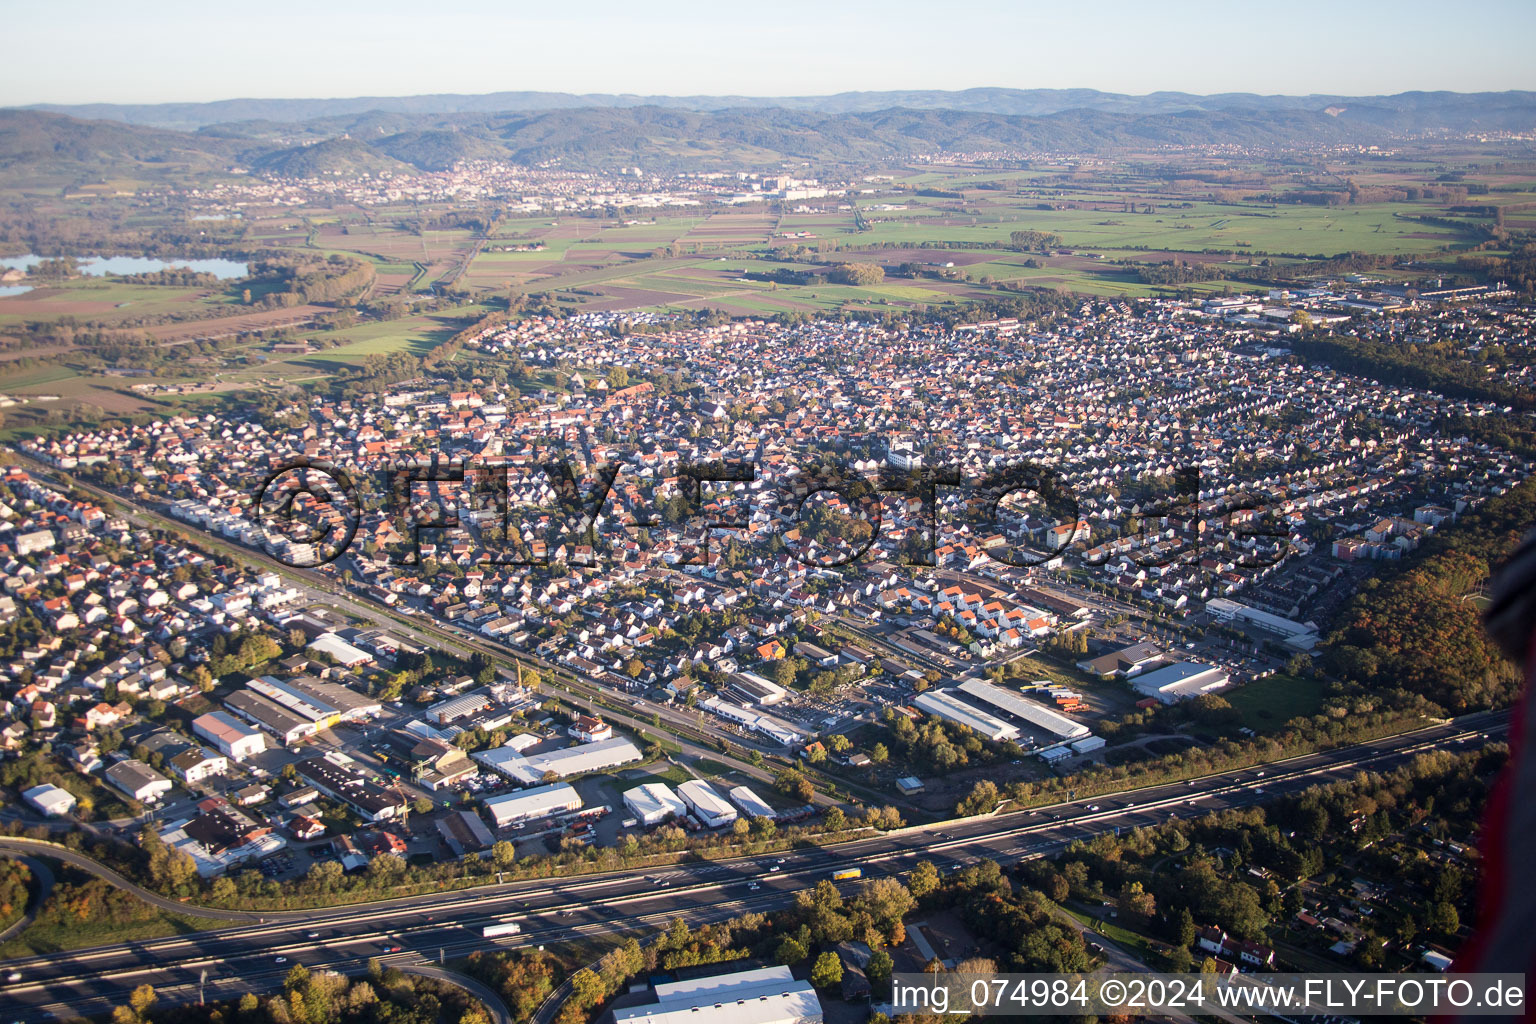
551	911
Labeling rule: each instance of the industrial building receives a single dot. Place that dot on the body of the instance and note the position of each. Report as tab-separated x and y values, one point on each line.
751	688
1033	712
50	799
234	739
465	833
654	803
747	718
1181	681
564	763
707	805
343	652
947	706
334	776
286	726
319	701
767	995
752	805
138	780
445	711
539	802
1300	636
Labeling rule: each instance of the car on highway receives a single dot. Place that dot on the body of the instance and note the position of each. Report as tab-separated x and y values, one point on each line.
13	976
1093	807
279	959
311	935
391	949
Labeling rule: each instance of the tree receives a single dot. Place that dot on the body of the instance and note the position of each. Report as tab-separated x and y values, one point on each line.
982	799
142	1000
924	879
586	988
828	971
790	951
861	274
503	853
1135	900
421	805
1184	928
791	782
880	967
1443	918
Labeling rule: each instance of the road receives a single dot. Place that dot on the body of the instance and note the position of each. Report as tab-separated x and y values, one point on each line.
424	928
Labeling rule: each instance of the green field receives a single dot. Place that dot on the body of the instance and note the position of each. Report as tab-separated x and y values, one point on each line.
1267	704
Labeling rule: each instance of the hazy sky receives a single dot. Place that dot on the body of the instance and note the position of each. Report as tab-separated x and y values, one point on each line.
173	50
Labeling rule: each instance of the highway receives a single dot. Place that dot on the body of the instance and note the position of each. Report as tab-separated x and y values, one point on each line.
425	928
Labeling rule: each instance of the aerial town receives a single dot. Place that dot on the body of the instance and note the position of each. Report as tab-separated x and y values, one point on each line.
752	622
610	557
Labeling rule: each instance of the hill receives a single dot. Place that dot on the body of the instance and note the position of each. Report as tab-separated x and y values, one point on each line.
1425	110
340	157
36	146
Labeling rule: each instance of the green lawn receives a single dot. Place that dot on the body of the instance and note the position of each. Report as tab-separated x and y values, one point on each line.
42	939
1267	704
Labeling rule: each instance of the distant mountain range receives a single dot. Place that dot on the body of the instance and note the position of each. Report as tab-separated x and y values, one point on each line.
303	138
1429	109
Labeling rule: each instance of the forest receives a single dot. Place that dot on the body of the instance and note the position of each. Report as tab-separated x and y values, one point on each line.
1414	630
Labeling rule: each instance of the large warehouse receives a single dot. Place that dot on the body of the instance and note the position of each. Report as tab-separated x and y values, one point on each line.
288	727
707	805
565	762
1033	712
946	705
654	803
532	803
752	805
234	739
754	689
1301	636
767	995
1178	682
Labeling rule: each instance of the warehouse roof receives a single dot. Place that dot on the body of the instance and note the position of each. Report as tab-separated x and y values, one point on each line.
1033	712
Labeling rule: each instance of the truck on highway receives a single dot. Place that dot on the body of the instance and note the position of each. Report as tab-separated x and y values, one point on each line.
847	874
500	928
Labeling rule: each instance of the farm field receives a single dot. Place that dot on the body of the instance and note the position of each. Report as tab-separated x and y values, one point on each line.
107	299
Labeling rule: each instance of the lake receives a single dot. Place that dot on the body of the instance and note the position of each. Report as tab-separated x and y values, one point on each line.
101	266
